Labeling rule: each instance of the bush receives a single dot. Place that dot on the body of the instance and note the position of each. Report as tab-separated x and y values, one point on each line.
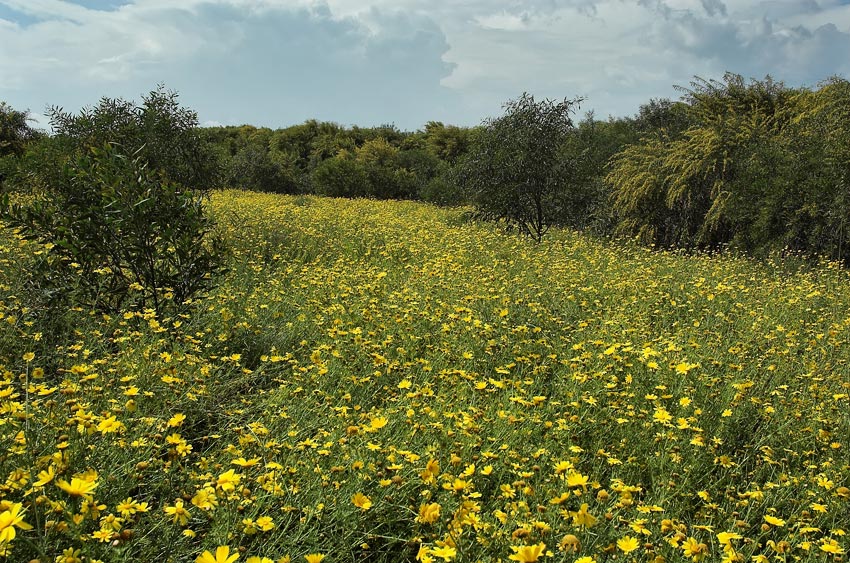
119	235
160	133
253	168
340	176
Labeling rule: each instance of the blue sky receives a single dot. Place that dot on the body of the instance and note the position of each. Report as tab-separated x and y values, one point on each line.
369	62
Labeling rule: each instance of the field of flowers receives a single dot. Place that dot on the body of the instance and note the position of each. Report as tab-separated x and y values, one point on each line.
384	381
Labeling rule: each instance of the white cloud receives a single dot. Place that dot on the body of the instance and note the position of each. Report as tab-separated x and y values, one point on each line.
274	62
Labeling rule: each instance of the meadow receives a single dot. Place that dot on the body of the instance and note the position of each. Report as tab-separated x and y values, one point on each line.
386	381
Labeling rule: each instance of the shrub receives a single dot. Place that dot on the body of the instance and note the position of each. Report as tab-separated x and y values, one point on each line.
118	234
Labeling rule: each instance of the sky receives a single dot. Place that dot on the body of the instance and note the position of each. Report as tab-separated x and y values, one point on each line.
276	63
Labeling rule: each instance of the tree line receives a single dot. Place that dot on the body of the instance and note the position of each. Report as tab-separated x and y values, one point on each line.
753	165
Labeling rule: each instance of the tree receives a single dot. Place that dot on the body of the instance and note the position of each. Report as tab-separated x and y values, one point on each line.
706	185
15	131
513	172
159	132
124	221
15	136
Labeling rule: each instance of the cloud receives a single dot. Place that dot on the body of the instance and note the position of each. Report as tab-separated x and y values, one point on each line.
277	62
268	64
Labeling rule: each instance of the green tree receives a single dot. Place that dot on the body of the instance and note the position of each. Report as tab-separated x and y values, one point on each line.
514	172
124	220
15	131
448	143
159	132
707	185
340	176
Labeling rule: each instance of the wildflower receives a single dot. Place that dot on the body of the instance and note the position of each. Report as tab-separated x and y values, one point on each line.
582	517
205	499
661	415
228	480
80	486
44	477
627	544
569	543
222	555
361	501
176	420
774	521
10	518
179	514
428	513
103	535
831	546
725	538
695	550
110	425
527	553
446	552
265	523
314	557
576	479
69	555
378	423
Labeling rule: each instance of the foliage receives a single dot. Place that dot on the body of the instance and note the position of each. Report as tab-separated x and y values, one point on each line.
15	131
119	235
341	176
255	168
401	382
707	185
160	132
513	172
447	142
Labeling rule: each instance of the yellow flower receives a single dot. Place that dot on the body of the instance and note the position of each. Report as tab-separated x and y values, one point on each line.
44	477
314	558
10	518
178	513
69	555
527	553
265	523
361	501
695	550
176	420
428	513
773	520
109	425
228	480
583	517
569	543
831	546
627	544
78	487
446	552
222	555
378	423
724	538
576	479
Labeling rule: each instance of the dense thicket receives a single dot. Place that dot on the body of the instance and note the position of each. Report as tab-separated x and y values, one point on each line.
749	164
